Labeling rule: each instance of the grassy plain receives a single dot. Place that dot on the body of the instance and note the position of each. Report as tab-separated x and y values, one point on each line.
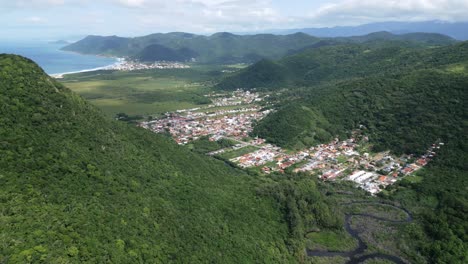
238	152
145	93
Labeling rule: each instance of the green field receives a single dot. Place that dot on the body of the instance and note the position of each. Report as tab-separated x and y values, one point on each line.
225	108
238	152
150	92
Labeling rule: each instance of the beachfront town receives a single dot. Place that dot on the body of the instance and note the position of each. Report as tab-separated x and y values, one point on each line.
129	65
231	117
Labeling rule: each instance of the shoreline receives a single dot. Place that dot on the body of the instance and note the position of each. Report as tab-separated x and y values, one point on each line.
118	62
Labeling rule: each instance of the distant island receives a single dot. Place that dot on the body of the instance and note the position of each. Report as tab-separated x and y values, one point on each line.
60	42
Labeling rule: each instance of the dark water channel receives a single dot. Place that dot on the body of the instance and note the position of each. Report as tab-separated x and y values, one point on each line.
355	255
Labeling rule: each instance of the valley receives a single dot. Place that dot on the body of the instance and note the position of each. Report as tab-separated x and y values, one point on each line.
338	160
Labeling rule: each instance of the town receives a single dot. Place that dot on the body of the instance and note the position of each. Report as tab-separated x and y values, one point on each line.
225	117
231	116
130	65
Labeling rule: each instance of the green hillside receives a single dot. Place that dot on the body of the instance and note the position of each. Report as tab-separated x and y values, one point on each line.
345	61
265	73
80	188
413	38
295	126
403	113
156	52
390	91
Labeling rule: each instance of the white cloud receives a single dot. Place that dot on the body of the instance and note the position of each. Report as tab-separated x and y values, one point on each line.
133	3
203	15
363	11
138	17
35	20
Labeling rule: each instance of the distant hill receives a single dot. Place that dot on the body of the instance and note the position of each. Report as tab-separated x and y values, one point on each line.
265	73
112	45
454	30
419	38
218	48
340	61
156	52
80	188
60	42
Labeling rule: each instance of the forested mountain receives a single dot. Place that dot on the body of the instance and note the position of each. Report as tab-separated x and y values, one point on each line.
391	107
344	61
156	52
80	188
229	48
217	48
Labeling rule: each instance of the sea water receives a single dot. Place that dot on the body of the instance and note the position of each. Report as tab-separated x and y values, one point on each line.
55	61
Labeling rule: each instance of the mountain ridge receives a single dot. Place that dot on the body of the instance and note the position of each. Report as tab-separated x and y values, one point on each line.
224	47
455	30
339	61
221	47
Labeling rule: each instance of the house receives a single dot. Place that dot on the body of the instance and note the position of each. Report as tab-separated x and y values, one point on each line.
421	162
407	170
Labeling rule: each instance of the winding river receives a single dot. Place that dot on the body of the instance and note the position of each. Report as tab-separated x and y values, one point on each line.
355	255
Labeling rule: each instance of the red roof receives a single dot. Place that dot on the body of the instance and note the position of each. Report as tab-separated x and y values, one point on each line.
407	170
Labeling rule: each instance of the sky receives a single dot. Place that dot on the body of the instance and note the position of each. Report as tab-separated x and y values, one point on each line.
52	19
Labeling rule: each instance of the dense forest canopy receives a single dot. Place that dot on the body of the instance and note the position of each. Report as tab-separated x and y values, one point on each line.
332	63
80	188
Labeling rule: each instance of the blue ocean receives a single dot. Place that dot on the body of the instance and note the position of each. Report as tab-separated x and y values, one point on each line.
53	60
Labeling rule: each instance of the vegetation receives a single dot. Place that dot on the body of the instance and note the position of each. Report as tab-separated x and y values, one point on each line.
78	187
399	112
405	99
441	201
304	207
144	93
345	62
329	240
204	145
300	127
237	153
432	39
157	52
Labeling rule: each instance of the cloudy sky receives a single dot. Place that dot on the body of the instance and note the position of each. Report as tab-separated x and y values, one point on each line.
67	18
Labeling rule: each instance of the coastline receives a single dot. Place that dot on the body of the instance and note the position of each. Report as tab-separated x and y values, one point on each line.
118	62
